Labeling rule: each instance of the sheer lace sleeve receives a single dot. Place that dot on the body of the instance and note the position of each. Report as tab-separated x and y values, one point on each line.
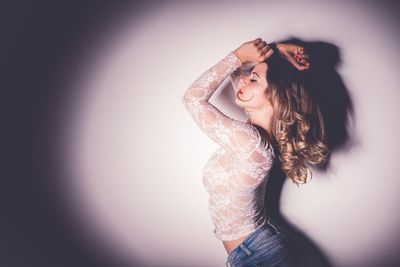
237	137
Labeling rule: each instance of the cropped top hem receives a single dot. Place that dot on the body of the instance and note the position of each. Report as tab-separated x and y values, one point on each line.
225	237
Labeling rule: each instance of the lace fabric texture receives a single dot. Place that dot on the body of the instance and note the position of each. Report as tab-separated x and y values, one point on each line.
236	173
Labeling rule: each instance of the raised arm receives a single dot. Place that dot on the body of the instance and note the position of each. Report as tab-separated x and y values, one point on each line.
237	137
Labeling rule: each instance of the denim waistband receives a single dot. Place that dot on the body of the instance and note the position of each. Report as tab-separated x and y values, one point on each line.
265	231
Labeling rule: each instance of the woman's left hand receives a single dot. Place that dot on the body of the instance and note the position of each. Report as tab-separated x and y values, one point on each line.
295	54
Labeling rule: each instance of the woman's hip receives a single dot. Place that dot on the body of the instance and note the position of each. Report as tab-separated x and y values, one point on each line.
265	247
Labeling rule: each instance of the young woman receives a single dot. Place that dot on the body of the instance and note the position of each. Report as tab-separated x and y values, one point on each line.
281	114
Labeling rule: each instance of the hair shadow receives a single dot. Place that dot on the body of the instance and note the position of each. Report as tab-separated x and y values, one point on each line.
328	90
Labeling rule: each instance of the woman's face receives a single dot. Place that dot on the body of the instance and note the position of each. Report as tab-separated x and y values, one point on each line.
253	91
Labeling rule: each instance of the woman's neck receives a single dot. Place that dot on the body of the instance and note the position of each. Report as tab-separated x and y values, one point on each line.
263	119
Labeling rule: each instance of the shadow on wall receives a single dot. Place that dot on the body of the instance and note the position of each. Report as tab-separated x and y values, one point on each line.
327	88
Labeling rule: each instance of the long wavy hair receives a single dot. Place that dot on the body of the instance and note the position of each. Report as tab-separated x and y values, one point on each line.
298	124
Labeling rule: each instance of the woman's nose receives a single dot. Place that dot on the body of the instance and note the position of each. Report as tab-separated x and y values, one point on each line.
244	80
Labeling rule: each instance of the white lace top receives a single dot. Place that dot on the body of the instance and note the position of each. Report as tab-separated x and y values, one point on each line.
235	175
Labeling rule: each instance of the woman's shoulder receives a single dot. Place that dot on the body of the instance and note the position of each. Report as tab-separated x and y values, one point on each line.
265	141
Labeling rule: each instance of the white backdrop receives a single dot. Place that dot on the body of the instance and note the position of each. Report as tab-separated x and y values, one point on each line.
135	156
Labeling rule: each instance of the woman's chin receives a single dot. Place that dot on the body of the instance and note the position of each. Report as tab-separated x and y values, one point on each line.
238	101
241	98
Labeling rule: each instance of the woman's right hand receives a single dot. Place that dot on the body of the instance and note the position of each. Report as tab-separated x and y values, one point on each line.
253	51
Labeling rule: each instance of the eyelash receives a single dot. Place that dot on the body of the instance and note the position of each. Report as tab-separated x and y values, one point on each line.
252	80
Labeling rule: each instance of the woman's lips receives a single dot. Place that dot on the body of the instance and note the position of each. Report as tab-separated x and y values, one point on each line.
241	94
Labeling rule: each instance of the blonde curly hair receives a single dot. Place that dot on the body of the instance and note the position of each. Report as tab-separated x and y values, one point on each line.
298	125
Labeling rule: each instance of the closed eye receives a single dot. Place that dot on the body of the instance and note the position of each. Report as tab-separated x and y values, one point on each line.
253	80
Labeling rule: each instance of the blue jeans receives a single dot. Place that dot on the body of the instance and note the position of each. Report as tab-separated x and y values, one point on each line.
267	246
